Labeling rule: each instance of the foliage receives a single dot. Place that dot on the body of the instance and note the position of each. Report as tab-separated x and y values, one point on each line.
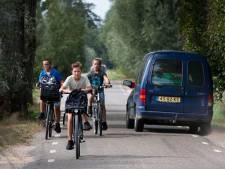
134	28
202	26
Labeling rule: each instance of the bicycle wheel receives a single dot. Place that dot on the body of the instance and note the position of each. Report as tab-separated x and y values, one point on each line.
100	119
50	121
47	121
76	135
95	119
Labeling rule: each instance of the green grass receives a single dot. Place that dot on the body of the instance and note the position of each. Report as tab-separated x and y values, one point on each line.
218	113
18	130
116	74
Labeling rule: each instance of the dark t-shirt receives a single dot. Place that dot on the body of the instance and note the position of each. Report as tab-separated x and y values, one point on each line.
96	79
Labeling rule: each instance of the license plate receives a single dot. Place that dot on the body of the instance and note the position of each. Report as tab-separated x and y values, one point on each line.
168	99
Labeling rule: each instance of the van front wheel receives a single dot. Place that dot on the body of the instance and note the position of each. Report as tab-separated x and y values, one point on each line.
139	125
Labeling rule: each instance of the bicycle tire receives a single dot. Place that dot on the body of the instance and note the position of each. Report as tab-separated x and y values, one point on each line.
100	119
51	120
47	122
76	136
95	119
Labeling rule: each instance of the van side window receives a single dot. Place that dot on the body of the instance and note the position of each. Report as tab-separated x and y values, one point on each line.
167	72
195	73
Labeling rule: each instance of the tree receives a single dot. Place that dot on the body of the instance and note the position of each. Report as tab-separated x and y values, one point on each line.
17	39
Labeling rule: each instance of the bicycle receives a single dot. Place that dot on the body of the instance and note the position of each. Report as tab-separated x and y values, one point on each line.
97	109
77	108
49	119
49	94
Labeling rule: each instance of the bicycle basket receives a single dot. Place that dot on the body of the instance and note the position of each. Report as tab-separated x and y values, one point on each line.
50	91
76	100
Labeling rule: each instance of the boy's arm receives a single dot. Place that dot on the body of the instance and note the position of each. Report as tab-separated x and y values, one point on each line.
106	80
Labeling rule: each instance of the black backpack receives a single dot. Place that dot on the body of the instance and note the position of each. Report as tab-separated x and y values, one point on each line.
77	99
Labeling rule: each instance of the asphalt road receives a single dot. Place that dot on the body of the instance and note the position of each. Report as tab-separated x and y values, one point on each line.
157	147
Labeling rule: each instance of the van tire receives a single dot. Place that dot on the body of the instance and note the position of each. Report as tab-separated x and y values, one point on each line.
139	125
205	129
129	122
193	129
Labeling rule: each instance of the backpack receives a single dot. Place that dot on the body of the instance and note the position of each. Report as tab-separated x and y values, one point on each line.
77	99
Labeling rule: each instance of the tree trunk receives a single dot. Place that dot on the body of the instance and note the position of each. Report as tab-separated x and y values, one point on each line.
17	47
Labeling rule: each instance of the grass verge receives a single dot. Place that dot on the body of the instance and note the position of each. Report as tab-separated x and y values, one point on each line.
16	130
116	74
219	114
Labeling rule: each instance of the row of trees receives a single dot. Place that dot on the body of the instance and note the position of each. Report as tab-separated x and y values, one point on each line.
134	28
17	51
67	31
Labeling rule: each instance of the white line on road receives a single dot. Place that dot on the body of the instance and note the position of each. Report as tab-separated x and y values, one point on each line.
57	135
52	151
194	135
54	143
51	160
205	143
217	151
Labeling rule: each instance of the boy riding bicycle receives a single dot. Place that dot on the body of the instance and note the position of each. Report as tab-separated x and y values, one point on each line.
72	82
49	72
98	77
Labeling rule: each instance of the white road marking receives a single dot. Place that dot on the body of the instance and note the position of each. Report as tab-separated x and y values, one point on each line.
54	143
51	160
205	143
217	151
195	136
52	151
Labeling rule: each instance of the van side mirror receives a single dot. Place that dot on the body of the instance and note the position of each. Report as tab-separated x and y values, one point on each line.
129	83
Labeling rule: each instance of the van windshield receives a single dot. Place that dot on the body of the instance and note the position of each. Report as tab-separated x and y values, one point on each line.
167	72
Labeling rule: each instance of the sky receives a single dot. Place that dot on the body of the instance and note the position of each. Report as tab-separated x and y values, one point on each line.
101	7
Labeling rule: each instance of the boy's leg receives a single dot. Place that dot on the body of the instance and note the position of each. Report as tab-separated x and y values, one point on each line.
57	117
70	144
90	99
104	123
42	110
57	112
70	126
87	125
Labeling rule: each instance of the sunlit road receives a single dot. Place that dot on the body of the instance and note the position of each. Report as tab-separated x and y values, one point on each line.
120	148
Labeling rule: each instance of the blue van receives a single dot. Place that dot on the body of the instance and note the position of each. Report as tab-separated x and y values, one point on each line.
173	88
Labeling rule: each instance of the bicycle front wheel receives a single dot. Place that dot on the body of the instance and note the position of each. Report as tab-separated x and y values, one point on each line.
76	135
47	122
100	119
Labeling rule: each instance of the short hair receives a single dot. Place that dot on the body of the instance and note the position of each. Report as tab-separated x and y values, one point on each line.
97	59
75	65
47	59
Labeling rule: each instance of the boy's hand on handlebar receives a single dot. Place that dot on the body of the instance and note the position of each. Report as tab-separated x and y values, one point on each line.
108	85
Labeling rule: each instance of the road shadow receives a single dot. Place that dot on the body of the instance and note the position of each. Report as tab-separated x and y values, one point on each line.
126	156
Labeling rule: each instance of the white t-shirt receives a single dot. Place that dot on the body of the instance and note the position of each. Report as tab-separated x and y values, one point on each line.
72	84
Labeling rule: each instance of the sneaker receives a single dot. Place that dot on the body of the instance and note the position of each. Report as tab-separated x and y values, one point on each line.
87	126
104	126
57	128
70	145
41	116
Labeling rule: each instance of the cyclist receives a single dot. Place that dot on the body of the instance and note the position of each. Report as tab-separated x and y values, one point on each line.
49	72
75	81
98	77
